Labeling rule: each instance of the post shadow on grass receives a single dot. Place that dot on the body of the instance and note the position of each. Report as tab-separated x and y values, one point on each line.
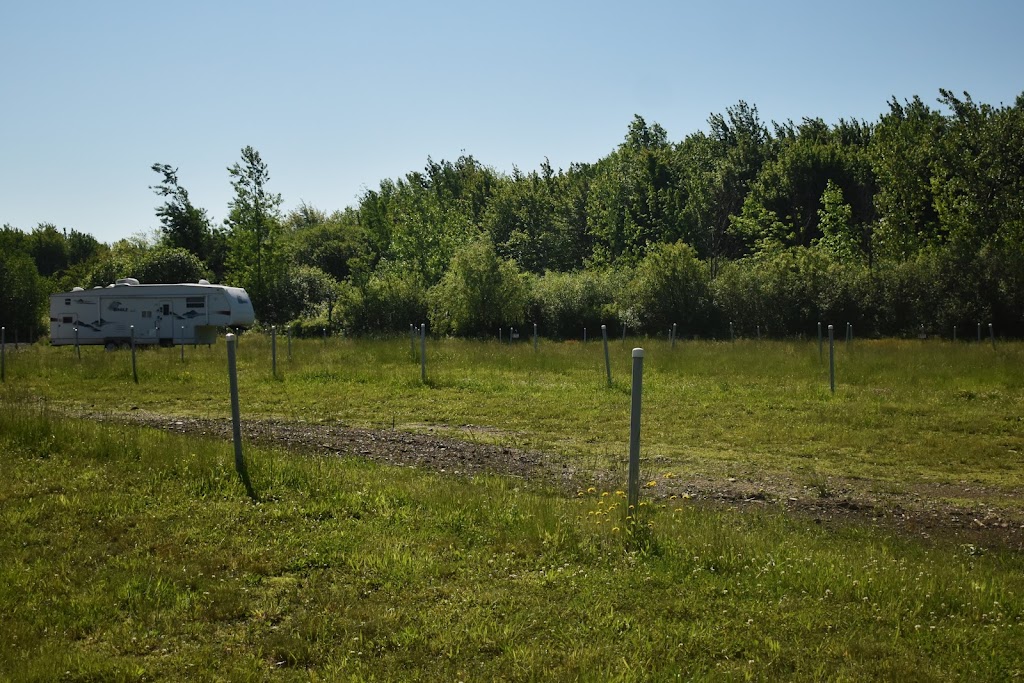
236	421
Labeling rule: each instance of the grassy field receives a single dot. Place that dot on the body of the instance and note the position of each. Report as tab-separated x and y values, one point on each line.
933	414
133	554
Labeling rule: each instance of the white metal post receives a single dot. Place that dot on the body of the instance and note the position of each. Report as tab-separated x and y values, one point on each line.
607	362
831	360
634	434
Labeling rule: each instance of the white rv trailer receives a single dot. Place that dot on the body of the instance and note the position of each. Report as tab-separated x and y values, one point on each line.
161	314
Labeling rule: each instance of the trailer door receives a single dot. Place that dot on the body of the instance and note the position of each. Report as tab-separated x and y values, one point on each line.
165	322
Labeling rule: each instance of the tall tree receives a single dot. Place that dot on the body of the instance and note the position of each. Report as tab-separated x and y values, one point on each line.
183	224
256	258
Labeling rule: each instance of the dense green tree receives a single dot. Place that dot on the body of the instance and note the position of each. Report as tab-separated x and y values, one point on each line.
256	257
22	293
564	303
791	185
169	265
83	248
479	293
337	244
634	197
48	248
671	286
904	153
394	297
183	224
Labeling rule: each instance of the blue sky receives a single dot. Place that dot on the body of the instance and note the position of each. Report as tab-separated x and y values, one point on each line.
337	96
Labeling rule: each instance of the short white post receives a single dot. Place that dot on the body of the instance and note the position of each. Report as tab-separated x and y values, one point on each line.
634	436
423	352
273	350
535	336
607	362
584	334
821	356
831	360
732	333
182	344
78	349
758	333
500	338
954	334
992	335
673	335
979	332
135	373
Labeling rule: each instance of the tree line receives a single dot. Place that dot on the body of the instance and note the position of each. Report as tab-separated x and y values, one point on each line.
914	220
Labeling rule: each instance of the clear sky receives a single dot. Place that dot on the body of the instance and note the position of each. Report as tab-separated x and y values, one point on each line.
337	96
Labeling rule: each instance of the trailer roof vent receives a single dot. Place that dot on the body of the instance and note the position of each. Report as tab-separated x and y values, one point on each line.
77	289
204	282
126	281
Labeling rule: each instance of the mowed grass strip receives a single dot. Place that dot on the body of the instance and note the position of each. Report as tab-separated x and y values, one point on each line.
133	554
904	411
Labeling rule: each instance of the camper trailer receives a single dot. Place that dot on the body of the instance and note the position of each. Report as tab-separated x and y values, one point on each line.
160	314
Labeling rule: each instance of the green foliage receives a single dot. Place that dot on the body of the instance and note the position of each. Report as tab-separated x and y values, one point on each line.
121	260
169	265
925	201
317	301
22	293
393	298
563	304
48	248
839	237
671	287
184	225
337	244
257	259
480	293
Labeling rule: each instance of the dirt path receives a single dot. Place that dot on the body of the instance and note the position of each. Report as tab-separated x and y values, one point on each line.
924	510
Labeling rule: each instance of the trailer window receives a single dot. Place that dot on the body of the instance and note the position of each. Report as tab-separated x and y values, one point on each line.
195	302
68	319
67	302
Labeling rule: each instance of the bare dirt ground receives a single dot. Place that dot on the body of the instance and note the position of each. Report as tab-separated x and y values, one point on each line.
923	510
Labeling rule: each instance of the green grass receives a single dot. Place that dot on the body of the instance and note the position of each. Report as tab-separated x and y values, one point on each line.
131	554
932	413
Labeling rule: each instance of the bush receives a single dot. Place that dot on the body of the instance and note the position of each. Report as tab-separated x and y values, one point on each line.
170	265
393	299
479	293
563	304
672	286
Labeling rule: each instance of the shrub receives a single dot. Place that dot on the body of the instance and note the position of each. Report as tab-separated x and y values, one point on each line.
563	304
479	293
672	286
392	299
